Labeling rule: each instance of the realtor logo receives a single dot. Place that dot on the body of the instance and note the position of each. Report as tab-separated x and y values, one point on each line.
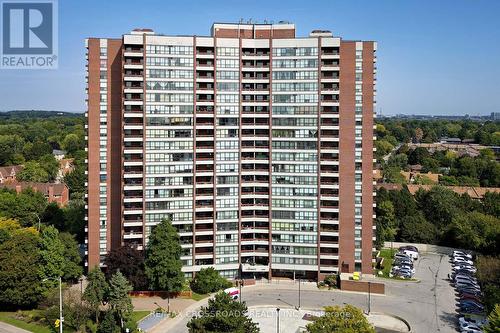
29	35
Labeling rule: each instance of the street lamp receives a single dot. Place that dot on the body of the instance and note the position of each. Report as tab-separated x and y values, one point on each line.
61	318
278	324
369	296
299	295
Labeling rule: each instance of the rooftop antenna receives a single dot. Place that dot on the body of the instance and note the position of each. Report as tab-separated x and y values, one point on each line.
241	20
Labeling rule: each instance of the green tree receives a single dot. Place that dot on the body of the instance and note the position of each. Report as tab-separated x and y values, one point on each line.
474	231
23	207
491	204
163	264
416	229
208	280
72	261
347	319
223	314
118	297
96	291
384	147
108	324
74	219
19	279
417	155
386	223
49	163
33	172
10	146
76	180
72	143
52	261
439	205
493	325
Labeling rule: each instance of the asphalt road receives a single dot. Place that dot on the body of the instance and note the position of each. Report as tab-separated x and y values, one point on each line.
428	305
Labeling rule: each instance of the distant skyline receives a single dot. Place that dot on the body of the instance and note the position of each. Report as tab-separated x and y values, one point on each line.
434	57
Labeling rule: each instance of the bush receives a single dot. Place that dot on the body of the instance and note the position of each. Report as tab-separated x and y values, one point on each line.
208	280
331	281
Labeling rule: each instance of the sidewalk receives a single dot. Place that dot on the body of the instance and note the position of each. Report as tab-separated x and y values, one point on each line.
6	328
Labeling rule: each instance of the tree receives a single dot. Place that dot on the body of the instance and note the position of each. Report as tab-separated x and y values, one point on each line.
386	224
10	146
74	219
118	297
223	314
108	324
130	262
33	172
72	143
76	180
439	205
474	231
208	280
416	229
23	207
347	319
96	291
52	261
491	204
72	260
419	134
493	325
49	163
163	264
418	155
19	276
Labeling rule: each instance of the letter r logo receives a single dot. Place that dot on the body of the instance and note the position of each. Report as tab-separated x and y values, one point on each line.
27	27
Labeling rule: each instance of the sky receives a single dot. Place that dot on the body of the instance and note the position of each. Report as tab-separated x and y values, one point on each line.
434	57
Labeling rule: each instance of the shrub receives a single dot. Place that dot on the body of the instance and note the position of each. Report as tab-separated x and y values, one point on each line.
208	280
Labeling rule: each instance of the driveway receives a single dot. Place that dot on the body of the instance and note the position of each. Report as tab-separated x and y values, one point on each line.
428	305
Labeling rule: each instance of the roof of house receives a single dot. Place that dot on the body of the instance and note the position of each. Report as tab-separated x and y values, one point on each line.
10	170
58	188
409	175
474	192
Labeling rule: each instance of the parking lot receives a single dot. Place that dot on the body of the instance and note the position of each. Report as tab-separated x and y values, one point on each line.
428	304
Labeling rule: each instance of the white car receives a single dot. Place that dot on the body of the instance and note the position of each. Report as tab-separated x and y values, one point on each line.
460	260
411	254
469	326
475	321
462	254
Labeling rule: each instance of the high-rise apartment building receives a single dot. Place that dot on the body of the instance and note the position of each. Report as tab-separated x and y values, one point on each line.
257	144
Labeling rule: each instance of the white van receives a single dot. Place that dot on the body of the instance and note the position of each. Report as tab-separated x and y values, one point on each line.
233	292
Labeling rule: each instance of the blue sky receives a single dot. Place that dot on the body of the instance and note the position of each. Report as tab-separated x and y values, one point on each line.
434	57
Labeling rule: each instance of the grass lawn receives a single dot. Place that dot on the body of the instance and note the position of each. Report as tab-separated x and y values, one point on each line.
138	315
198	297
9	318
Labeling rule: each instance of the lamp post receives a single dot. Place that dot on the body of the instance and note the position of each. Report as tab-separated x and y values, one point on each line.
278	323
61	318
299	295
369	296
240	285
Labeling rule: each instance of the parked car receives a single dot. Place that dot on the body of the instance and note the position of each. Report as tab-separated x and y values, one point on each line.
412	254
476	321
462	254
462	261
468	326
